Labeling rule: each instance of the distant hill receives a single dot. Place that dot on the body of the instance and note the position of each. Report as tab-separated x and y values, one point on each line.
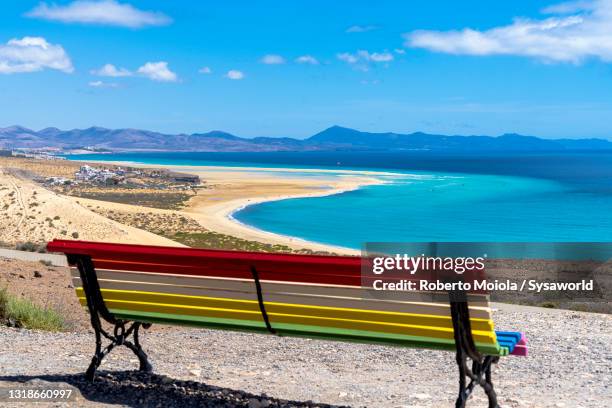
342	137
333	138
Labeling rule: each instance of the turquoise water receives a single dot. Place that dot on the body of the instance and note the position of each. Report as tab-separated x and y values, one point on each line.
556	197
477	208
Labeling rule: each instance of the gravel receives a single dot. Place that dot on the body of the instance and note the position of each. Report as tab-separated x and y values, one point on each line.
570	363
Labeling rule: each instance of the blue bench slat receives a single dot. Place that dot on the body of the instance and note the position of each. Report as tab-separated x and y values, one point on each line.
508	339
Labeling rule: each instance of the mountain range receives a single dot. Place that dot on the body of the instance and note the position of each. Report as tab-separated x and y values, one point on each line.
333	138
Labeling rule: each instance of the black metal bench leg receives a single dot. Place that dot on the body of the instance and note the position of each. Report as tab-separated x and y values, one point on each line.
479	374
488	386
97	311
97	358
463	394
118	338
98	355
137	349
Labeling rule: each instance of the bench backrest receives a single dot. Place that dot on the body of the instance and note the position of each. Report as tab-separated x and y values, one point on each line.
298	295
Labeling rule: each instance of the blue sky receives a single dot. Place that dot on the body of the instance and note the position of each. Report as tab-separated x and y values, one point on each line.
279	68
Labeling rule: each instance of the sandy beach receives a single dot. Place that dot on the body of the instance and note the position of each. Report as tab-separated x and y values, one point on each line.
229	189
234	188
224	191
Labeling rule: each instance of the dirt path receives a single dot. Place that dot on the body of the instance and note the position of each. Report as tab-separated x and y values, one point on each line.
24	210
52	259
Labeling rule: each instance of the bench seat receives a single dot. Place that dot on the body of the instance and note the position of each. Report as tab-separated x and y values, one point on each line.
232	304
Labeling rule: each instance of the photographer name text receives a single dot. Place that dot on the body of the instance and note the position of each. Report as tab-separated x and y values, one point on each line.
530	285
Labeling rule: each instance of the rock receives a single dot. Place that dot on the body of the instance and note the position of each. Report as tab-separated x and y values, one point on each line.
421	396
255	403
37	274
342	394
195	372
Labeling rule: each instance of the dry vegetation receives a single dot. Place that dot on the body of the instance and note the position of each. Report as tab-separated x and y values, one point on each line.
143	191
40	168
184	229
37	295
164	199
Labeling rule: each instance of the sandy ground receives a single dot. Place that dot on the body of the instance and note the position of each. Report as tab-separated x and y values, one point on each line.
570	362
32	213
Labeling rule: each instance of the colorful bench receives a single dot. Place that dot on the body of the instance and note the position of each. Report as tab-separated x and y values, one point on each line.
132	286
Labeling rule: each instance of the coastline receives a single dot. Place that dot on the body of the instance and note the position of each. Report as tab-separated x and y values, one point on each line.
224	221
191	167
231	189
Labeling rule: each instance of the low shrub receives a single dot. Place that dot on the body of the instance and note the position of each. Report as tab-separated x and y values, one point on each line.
23	313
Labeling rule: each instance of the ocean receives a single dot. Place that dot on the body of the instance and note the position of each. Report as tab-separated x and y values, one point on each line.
540	197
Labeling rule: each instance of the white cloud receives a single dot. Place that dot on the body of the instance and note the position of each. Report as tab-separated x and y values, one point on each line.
379	56
348	58
361	28
577	31
102	84
307	59
103	12
362	59
272	59
205	70
109	70
234	74
158	71
31	54
399	51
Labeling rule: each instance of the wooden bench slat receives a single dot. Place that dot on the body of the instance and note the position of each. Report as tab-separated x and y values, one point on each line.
197	257
425	308
357	336
338	312
412	329
345	270
268	287
232	271
275	319
298	330
226	269
323	296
